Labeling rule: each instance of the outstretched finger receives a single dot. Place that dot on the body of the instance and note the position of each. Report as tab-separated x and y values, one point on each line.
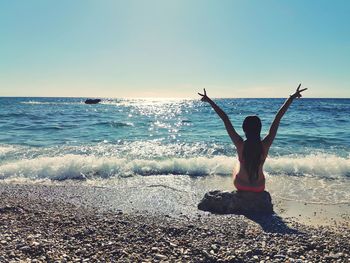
302	90
298	87
200	94
205	92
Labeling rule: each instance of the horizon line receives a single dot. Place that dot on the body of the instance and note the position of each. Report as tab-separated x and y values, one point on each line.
165	98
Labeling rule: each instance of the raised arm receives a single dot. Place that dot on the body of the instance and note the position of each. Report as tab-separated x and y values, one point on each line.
268	140
236	139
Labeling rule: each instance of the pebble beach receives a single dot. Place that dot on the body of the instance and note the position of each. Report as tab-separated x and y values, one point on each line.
35	229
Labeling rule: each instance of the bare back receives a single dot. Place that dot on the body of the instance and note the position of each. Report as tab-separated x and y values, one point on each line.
242	177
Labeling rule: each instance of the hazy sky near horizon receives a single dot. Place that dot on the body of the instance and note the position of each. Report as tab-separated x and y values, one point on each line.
174	48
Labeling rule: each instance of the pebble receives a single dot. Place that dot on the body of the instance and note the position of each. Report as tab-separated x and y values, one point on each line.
160	257
213	246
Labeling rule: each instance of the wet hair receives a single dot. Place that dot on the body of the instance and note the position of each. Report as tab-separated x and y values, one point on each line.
252	149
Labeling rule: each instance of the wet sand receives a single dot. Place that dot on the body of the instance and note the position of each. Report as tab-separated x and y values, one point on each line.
157	221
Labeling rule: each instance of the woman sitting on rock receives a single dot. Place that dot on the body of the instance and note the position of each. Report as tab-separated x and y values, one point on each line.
253	151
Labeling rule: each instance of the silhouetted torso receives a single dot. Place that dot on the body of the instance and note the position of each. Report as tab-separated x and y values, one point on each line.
241	179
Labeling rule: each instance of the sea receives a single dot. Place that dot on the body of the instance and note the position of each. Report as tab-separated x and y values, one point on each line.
63	139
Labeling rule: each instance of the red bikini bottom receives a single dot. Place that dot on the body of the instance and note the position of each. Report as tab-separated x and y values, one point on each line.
255	189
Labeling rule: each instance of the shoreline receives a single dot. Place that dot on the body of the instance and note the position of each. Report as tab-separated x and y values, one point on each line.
173	196
60	222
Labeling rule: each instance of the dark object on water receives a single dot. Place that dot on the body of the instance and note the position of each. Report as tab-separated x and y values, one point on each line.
239	202
92	101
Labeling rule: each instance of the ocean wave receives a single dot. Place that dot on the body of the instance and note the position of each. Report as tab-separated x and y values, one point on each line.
320	164
115	124
84	167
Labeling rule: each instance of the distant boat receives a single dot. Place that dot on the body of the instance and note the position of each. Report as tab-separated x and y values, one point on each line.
92	101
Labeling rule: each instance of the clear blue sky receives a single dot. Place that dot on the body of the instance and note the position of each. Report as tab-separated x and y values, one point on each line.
174	48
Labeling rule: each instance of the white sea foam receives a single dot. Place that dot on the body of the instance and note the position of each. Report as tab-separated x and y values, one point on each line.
315	178
4	149
320	165
309	189
71	166
78	166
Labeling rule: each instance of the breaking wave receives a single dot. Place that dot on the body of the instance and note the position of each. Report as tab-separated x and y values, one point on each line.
85	167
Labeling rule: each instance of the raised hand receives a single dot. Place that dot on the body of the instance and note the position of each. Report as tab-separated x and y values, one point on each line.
297	93
204	98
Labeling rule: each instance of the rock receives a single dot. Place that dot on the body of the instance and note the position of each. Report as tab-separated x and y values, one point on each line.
92	101
160	257
25	248
237	202
279	256
334	256
172	244
214	247
9	209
